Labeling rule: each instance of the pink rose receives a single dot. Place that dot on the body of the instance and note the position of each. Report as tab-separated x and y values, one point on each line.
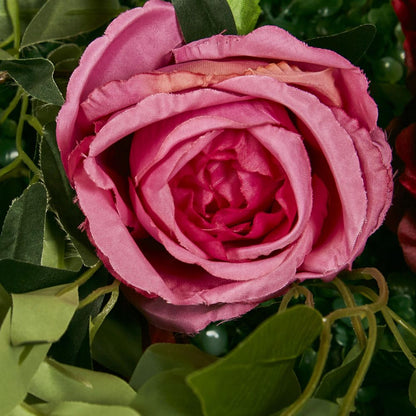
214	174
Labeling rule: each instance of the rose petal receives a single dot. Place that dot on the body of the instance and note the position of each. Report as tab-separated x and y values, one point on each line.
116	56
276	44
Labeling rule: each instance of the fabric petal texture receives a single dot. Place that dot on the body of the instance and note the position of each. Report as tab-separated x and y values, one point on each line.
213	175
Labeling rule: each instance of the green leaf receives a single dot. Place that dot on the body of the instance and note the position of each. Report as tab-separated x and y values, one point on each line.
204	18
167	394
45	113
59	19
58	250
318	407
62	196
18	365
74	346
5	55
351	44
412	389
22	234
57	382
257	376
20	277
84	409
5	22
335	383
118	342
35	76
246	14
43	315
65	52
162	357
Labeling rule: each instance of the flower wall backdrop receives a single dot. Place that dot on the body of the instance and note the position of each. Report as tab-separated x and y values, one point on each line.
192	204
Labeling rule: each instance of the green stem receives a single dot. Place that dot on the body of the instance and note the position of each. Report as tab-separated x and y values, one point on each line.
325	343
350	303
81	280
98	293
11	166
302	290
287	297
294	292
349	398
13	9
19	134
398	336
12	106
324	346
390	316
7	41
401	321
34	122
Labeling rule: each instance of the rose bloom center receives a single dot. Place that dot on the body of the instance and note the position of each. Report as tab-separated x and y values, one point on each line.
232	194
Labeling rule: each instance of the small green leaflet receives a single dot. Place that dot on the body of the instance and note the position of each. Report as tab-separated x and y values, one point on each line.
204	18
35	76
22	234
59	19
246	14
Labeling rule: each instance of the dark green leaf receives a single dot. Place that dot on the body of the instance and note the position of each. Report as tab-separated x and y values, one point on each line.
44	112
22	234
64	52
257	376
59	19
167	394
412	389
18	365
117	344
35	76
60	382
62	196
58	250
204	18
351	44
42	315
162	357
246	14
19	277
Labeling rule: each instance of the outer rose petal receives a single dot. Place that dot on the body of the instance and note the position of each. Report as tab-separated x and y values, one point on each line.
115	56
278	45
188	319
